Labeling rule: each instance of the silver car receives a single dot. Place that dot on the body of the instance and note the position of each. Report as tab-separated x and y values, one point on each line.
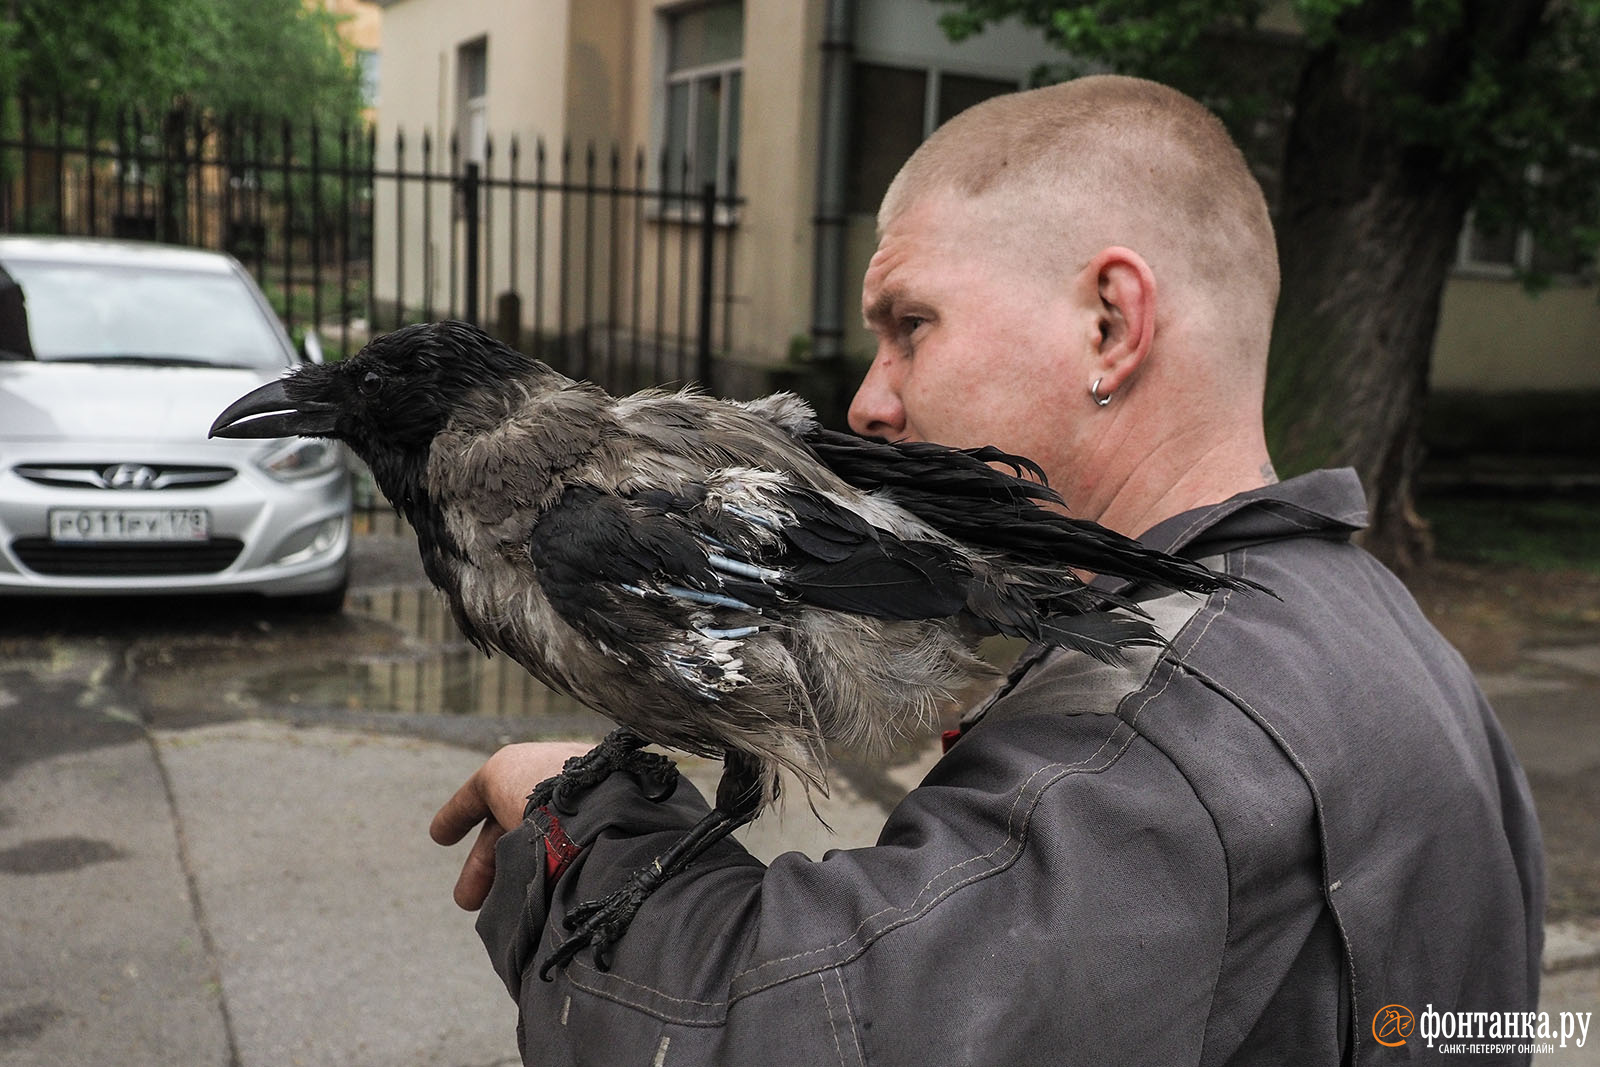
114	358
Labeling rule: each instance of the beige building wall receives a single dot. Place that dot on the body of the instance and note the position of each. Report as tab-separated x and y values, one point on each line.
603	72
526	78
778	176
1496	337
362	21
617	73
770	237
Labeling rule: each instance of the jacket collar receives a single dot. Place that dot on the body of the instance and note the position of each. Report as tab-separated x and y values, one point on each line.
1323	503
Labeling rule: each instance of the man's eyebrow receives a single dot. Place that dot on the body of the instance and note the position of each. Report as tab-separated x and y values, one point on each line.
881	309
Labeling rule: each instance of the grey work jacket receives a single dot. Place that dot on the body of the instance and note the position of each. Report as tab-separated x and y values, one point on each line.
1238	851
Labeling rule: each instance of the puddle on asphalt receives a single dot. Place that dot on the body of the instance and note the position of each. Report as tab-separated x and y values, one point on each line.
431	670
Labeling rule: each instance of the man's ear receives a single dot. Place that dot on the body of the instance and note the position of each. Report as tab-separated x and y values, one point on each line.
1127	315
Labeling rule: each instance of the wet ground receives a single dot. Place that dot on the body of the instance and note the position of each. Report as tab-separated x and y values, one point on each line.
393	660
1533	639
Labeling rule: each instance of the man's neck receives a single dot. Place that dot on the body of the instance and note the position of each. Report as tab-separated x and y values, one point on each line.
1168	482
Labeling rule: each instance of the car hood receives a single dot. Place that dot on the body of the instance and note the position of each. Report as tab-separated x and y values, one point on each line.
42	401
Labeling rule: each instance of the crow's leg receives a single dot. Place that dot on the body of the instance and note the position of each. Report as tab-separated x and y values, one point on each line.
621	750
602	922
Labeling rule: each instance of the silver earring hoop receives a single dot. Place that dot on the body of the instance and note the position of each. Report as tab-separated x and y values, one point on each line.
1094	391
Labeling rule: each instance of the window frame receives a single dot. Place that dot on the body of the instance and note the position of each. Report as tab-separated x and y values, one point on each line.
728	121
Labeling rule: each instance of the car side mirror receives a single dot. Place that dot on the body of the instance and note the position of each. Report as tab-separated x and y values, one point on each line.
311	347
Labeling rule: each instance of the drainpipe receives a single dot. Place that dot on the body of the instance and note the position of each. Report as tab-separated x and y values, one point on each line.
831	220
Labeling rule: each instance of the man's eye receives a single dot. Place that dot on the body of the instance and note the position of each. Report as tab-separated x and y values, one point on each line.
911	323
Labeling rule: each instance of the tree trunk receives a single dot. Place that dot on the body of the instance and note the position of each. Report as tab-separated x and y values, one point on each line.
1367	233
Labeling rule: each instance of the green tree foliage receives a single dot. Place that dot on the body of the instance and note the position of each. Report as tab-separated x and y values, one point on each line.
273	58
1387	122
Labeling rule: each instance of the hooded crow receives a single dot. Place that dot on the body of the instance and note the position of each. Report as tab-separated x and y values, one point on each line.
723	578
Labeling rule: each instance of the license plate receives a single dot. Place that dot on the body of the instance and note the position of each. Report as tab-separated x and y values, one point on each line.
130	524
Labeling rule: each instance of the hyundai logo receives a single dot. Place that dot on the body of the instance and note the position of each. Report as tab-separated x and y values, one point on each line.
129	476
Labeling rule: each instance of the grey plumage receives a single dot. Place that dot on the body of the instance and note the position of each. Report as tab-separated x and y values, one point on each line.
718	577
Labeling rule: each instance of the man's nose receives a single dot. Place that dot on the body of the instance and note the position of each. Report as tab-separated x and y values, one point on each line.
876	410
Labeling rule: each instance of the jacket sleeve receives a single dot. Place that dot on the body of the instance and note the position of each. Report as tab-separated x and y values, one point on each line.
1052	871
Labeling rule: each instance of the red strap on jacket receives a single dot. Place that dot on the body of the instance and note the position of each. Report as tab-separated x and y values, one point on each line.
559	851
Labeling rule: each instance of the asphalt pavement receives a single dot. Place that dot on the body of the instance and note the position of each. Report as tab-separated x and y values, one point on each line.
258	890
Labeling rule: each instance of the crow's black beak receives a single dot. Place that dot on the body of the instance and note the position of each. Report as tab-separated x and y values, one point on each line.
268	412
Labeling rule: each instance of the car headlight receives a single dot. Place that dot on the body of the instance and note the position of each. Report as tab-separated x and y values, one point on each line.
299	458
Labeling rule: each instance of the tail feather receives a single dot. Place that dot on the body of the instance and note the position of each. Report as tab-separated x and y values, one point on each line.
959	493
1101	634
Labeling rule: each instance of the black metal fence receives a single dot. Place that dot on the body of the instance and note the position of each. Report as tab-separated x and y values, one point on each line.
603	265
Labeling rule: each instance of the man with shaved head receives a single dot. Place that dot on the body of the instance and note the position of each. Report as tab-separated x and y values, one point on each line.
1282	839
1106	230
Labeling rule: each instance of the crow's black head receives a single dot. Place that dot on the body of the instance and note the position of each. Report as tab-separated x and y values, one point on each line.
387	402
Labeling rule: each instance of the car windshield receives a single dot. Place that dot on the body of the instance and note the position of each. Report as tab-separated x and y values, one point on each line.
104	313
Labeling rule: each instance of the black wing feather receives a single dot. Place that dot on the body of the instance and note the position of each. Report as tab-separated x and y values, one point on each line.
842	562
958	493
592	542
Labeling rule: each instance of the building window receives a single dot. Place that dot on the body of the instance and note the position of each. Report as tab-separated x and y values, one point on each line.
1505	252
705	59
472	99
895	109
1491	252
367	65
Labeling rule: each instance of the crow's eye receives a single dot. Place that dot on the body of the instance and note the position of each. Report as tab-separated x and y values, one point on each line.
370	383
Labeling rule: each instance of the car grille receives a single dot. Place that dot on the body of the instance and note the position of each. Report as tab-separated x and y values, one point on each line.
124	560
124	475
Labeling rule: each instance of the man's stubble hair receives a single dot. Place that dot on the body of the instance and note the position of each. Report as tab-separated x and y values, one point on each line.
1058	173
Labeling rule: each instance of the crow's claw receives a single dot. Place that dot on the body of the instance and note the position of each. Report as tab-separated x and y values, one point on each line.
602	922
621	750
